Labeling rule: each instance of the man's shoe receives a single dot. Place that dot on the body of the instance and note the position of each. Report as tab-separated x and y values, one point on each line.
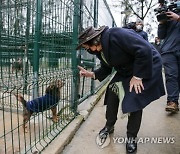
103	138
107	129
131	145
172	107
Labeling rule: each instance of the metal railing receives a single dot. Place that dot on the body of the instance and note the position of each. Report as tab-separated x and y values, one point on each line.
37	47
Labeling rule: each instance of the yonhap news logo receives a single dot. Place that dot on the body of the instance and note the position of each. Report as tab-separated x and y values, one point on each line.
153	140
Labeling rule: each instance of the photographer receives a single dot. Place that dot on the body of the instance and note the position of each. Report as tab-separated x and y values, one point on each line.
169	32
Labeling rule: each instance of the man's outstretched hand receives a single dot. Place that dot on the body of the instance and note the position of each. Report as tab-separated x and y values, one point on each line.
84	72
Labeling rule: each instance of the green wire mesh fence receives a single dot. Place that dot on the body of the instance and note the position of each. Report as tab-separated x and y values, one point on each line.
37	48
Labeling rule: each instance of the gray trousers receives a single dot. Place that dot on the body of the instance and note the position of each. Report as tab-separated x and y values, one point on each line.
171	64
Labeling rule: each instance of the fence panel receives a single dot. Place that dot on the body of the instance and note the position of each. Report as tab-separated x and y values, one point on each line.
37	52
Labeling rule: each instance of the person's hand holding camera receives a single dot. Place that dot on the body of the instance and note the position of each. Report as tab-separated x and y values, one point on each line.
173	16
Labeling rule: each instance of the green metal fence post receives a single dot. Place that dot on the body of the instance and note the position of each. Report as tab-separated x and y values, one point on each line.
26	49
95	25
37	46
96	2
74	53
0	34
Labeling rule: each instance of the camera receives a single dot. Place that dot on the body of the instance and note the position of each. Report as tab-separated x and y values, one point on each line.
165	7
131	25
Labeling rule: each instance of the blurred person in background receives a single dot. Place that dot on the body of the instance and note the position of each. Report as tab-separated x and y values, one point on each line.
157	43
139	29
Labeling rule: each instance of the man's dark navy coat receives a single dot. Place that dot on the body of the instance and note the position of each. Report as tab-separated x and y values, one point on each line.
130	55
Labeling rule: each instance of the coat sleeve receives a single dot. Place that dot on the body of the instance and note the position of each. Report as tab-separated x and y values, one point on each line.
139	49
102	72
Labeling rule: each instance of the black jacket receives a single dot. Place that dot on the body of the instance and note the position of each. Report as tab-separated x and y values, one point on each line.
143	34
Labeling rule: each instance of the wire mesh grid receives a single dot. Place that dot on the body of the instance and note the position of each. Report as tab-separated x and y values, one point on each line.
37	43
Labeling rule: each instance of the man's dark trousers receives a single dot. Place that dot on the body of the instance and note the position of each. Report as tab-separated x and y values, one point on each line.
134	120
